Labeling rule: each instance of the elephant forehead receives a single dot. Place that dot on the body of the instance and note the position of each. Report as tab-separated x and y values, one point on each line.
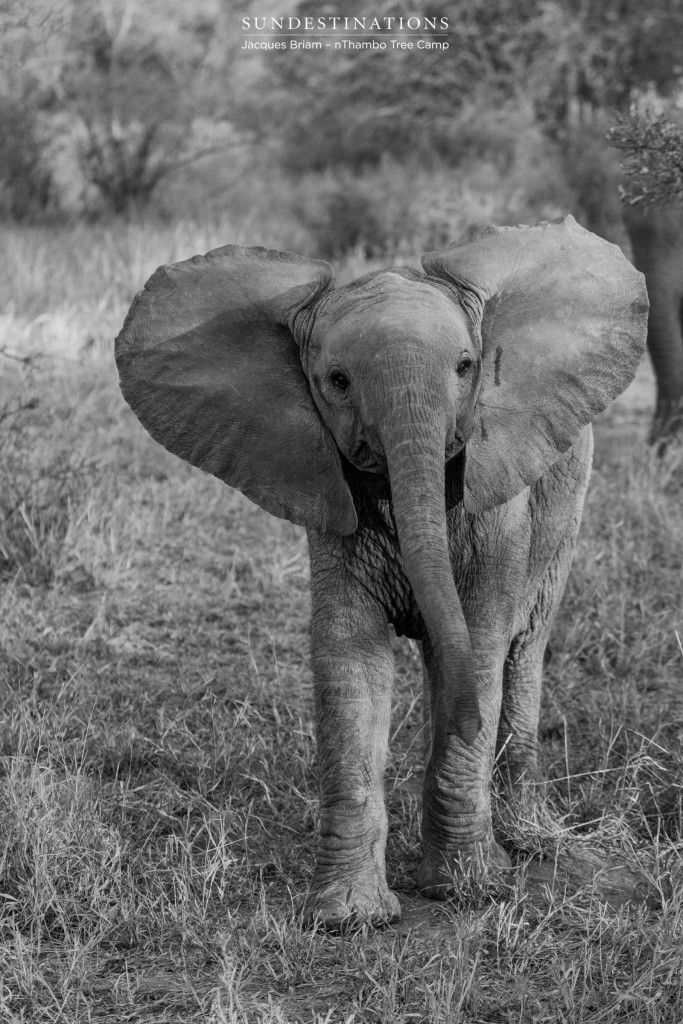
387	307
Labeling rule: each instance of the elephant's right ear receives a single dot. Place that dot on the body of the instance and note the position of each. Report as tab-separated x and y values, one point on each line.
208	363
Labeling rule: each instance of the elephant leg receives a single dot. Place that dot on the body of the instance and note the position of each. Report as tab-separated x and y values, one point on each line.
657	243
427	709
456	818
665	345
517	745
353	677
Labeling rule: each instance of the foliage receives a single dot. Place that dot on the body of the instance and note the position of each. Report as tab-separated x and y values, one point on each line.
653	158
130	77
568	60
401	209
127	163
593	57
355	106
136	93
142	87
26	186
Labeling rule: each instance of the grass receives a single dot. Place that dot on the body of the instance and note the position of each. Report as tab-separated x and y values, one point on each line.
158	801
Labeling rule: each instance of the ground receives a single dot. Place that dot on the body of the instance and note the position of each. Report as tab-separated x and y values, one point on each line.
158	803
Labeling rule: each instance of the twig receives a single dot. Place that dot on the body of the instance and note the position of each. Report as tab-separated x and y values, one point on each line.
566	760
26	360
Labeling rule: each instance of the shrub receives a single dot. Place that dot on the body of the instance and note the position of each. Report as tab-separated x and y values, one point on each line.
26	186
348	218
653	157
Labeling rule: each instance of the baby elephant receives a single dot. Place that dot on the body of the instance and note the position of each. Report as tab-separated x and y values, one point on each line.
430	429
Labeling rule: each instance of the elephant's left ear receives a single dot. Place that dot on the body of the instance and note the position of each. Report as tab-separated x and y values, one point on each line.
563	319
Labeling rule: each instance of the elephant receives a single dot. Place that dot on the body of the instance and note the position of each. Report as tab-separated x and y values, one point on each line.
656	236
431	430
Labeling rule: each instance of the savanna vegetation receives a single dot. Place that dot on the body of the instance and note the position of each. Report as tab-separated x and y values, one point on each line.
158	794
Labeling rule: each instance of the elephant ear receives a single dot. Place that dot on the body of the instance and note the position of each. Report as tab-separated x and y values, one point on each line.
208	362
563	319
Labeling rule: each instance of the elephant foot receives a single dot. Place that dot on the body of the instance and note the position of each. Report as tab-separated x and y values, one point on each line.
438	874
350	903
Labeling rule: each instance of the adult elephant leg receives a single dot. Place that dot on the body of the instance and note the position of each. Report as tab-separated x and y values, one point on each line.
457	832
353	675
665	346
657	242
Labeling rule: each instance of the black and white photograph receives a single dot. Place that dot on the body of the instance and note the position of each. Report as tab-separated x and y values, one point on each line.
341	512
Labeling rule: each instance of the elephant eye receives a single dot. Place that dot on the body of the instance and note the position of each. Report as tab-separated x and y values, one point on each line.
339	381
464	364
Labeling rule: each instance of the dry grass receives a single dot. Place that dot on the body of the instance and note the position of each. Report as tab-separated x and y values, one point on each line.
158	801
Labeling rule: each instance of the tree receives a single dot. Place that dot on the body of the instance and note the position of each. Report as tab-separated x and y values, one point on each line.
136	90
130	76
26	187
568	58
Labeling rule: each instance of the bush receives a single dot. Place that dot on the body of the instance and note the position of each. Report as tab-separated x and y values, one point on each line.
348	217
26	187
402	209
653	160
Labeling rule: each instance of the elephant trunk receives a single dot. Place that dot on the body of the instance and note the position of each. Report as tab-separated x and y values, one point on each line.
415	455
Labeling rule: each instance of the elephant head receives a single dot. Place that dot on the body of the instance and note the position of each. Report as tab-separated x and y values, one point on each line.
251	365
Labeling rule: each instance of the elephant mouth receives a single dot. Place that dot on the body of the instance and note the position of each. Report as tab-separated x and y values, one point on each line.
363	457
455	445
371	460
